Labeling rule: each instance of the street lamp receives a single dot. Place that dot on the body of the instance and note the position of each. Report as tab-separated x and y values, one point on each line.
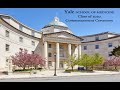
55	65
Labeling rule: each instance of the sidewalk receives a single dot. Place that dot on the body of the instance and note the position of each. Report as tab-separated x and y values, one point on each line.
59	73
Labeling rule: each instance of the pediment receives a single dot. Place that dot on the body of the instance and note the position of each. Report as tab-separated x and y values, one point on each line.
62	35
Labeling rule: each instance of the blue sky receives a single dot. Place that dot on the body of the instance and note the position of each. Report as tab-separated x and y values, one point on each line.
37	18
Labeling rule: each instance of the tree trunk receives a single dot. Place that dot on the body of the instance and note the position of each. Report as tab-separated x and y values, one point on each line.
35	67
23	68
103	66
72	68
92	67
86	68
27	67
115	67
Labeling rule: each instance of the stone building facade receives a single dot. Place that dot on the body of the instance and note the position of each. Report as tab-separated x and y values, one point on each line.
53	38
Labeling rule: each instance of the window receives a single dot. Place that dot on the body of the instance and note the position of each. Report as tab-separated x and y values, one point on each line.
61	47
96	38
50	63
72	47
32	52
49	55
7	61
109	54
85	47
49	45
7	47
32	33
61	54
109	44
7	33
96	46
20	39
20	27
20	49
33	43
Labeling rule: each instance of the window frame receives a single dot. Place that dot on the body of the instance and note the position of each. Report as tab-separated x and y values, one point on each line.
32	33
61	47
49	63
61	54
7	33
21	39
97	47
49	54
84	47
49	46
97	38
7	47
109	54
110	45
33	43
20	27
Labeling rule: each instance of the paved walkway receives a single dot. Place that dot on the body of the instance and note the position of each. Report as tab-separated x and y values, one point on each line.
59	73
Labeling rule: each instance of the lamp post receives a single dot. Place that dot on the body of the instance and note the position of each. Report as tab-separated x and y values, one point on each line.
55	66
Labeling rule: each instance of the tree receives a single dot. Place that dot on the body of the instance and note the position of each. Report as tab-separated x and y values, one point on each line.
113	61
97	59
23	59
71	61
37	60
116	51
86	60
91	60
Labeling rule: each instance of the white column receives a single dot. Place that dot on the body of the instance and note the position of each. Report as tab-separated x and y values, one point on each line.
79	50
9	66
46	54
69	49
57	55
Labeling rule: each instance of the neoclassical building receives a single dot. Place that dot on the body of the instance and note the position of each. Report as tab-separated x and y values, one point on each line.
54	38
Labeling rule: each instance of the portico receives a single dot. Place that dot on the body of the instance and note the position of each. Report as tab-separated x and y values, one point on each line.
58	39
62	46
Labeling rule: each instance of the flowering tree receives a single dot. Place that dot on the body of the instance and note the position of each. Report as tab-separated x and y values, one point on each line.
23	59
112	61
37	60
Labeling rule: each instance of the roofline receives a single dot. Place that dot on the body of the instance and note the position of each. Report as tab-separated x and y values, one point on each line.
100	34
57	26
65	32
103	39
19	22
18	29
53	25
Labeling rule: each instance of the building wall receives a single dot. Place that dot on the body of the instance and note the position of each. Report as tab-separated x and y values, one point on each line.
25	29
92	38
15	44
101	37
103	46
